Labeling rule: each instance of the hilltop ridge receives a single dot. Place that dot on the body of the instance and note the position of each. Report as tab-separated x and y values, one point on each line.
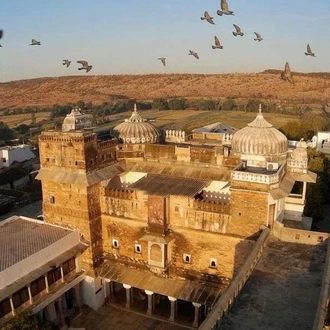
310	88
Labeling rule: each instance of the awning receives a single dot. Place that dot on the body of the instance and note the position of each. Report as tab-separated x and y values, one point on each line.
205	293
304	177
80	178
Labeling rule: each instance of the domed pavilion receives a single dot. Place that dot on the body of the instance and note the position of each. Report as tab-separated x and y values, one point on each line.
259	142
137	130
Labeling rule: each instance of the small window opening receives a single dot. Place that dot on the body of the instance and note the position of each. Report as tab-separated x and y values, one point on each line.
115	243
186	258
137	248
213	263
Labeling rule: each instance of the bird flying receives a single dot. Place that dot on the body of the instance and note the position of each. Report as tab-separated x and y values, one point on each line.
67	63
34	42
309	51
286	74
193	54
217	43
85	66
163	60
224	9
207	17
258	37
238	31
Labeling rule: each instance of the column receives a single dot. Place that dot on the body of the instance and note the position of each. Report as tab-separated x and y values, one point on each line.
304	191
150	301
46	282
62	274
60	310
111	290
51	312
77	296
173	308
76	260
12	306
30	295
197	312
128	295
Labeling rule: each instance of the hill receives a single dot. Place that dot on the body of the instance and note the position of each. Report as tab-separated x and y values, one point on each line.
310	88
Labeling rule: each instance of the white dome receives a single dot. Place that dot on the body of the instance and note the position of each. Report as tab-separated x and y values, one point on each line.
137	130
260	138
300	153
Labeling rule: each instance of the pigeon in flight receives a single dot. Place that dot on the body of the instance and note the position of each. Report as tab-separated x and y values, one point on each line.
193	54
309	51
1	34
207	17
67	63
217	43
286	74
238	31
224	9
85	66
258	37
34	42
163	59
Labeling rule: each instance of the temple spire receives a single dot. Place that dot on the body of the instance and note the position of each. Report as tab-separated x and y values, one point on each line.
135	109
260	108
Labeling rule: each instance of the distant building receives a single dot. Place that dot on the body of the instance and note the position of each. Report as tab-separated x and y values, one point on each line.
76	120
19	153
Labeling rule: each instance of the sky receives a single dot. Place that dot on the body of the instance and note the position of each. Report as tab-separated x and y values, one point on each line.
128	36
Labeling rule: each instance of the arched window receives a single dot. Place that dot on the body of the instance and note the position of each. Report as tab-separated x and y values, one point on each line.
156	253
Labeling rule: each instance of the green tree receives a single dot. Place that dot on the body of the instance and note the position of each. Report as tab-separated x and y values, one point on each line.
253	105
160	104
229	104
33	118
23	321
5	132
81	104
177	104
318	194
22	129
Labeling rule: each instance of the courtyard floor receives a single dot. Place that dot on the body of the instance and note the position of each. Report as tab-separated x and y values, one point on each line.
111	317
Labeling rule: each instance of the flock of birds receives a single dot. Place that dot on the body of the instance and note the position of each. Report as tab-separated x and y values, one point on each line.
285	75
85	65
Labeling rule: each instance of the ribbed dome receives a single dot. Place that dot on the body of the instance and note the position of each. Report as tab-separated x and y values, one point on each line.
260	138
137	130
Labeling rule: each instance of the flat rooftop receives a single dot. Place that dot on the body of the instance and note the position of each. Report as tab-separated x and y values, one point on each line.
282	291
22	237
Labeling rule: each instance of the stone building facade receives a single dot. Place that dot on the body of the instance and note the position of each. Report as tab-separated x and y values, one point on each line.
169	222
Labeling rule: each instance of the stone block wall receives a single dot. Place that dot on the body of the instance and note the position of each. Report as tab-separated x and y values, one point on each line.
249	210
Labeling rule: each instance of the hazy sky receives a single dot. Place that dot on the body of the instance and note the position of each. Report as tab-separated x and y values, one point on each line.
127	36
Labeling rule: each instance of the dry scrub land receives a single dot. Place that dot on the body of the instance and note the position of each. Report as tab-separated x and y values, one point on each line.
309	89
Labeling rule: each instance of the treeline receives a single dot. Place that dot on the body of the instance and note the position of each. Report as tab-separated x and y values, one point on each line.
176	103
